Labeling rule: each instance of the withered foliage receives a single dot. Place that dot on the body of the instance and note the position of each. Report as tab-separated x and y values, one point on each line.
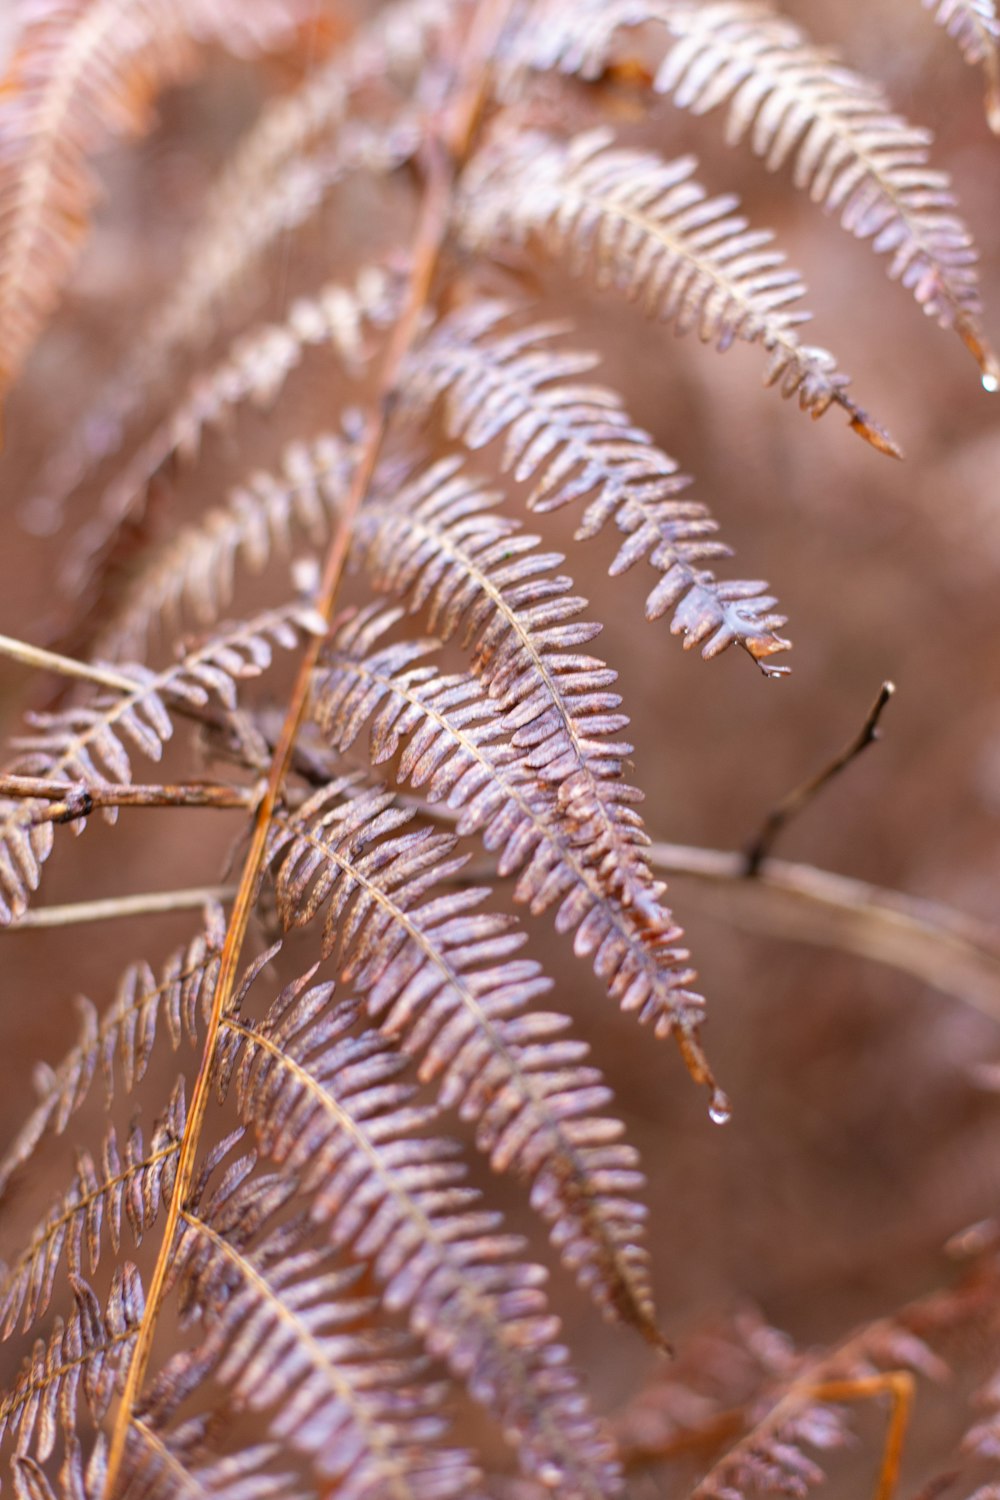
277	1277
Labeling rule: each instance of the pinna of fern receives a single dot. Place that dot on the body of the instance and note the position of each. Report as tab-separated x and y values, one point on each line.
326	1267
794	103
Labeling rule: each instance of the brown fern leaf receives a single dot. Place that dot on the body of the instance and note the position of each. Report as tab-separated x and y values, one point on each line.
194	573
771	1455
794	102
456	754
222	255
254	370
84	72
89	744
576	441
649	231
286	1336
976	29
852	154
184	1467
454	750
390	49
441	546
330	1107
126	1031
275	166
133	1183
439	976
75	1479
300	149
90	1348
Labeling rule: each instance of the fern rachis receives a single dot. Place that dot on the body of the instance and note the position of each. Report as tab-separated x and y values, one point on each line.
264	1267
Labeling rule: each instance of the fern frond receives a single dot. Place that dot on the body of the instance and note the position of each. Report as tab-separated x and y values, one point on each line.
794	102
126	1031
646	229
287	1337
976	29
222	254
286	134
297	152
330	1107
76	1479
254	370
455	751
89	1349
771	1454
575	441
132	1182
194	573
439	976
495	794
441	547
83	73
91	743
390	49
184	1468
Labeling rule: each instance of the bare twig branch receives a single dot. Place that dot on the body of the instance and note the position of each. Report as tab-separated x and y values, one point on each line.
65	666
789	807
936	944
149	902
69	800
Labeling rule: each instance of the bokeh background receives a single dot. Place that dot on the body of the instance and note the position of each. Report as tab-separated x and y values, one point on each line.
861	1137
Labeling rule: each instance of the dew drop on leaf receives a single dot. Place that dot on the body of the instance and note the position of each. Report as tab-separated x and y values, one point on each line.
719	1108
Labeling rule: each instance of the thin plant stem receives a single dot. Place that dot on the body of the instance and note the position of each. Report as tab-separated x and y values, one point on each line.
148	903
65	666
799	798
69	800
441	158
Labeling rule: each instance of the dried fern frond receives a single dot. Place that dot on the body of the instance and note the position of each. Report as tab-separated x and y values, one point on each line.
126	1033
253	370
184	1467
440	976
330	1107
388	52
82	73
300	148
91	743
193	574
217	264
881	1358
440	546
976	29
643	227
575	442
127	1183
89	1350
285	166
794	102
289	1336
454	752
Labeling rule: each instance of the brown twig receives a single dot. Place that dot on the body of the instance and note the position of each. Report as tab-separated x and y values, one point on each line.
69	800
65	666
791	806
936	944
146	904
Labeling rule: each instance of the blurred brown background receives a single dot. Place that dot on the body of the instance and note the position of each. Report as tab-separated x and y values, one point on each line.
860	1140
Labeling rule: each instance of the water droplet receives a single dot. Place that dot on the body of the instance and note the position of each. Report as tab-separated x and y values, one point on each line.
719	1108
991	382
